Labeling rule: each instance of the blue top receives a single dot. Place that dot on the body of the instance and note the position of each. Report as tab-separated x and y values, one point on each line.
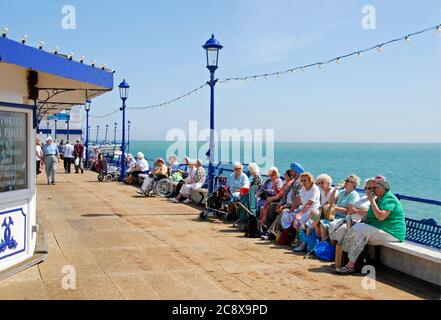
237	183
50	149
344	199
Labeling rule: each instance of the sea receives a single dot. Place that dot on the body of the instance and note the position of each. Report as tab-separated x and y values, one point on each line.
411	169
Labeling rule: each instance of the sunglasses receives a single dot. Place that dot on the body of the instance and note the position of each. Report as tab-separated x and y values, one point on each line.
304	180
321	182
349	181
371	188
237	169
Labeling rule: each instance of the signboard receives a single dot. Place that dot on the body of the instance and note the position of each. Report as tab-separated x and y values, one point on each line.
13	151
59	116
12	232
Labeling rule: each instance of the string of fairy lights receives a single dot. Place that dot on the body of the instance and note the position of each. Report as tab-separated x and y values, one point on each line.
319	64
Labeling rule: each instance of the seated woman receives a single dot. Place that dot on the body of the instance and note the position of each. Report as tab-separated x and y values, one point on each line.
159	172
173	163
384	222
130	164
324	182
141	167
196	182
179	173
342	199
237	180
310	198
256	178
268	191
191	177
281	200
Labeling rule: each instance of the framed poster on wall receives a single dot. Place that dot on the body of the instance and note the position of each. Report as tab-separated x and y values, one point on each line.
13	151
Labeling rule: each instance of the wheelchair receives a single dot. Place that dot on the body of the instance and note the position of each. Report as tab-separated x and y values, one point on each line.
109	176
163	187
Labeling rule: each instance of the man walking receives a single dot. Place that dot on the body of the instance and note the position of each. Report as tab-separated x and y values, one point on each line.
68	152
78	154
51	158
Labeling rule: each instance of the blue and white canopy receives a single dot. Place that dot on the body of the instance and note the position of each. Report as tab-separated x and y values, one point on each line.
62	81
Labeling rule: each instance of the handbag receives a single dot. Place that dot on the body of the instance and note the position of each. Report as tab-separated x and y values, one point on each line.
329	212
324	250
286	236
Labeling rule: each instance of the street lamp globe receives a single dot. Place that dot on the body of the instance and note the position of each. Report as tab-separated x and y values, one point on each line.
212	48
87	105
124	90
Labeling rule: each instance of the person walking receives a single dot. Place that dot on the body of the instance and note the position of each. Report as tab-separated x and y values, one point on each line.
38	155
78	155
51	157
68	152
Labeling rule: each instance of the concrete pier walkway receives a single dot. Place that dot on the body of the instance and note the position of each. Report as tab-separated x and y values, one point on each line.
124	246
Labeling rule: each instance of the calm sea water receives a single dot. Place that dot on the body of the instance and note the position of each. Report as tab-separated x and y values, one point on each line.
412	169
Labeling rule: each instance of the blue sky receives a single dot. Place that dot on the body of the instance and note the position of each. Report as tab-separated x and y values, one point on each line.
156	45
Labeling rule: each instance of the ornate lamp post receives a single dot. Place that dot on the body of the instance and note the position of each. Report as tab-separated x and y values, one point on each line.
128	135
47	128
67	123
87	108
55	125
114	133
212	48
97	133
123	94
105	136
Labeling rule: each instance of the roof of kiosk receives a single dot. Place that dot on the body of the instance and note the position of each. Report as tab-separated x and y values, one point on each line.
62	82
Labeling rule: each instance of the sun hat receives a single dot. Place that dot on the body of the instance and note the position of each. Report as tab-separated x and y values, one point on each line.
140	155
297	167
382	181
49	138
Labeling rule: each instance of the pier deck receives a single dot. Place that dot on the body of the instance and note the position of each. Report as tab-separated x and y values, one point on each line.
124	246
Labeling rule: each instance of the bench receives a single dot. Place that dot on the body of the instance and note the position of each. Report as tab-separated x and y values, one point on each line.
199	195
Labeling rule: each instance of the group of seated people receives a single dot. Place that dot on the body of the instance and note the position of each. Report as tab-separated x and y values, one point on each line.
301	205
186	175
295	203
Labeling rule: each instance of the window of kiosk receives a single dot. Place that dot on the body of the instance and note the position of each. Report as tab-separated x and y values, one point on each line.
13	151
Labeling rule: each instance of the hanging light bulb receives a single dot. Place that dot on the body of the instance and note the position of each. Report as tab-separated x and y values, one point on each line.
320	65
41	45
103	66
278	74
93	63
407	39
5	32
303	69
438	29
293	71
82	58
70	55
380	48
24	39
338	61
56	50
360	54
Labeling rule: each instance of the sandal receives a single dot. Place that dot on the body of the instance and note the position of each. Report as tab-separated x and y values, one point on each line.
345	270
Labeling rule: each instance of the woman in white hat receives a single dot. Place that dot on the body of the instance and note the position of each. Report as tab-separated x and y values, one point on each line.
51	157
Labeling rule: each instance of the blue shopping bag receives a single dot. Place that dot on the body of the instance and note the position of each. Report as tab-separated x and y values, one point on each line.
324	250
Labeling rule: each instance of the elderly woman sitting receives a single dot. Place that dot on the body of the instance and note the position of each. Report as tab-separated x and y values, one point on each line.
256	178
300	218
268	191
195	181
141	167
384	222
237	180
159	172
342	199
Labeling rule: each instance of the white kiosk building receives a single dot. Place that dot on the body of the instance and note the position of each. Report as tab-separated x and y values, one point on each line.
34	84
